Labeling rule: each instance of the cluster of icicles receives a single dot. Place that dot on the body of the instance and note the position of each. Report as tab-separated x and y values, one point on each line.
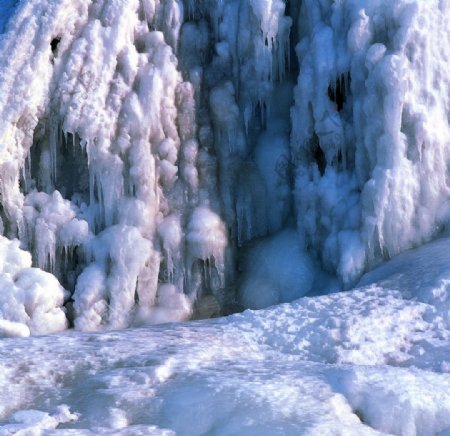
145	145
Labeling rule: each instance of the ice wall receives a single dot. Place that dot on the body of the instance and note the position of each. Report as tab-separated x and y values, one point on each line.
153	154
370	132
124	125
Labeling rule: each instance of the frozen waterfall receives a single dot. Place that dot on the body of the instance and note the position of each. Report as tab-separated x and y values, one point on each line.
162	160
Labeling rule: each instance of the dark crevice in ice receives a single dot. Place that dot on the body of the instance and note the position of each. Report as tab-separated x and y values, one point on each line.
54	44
337	91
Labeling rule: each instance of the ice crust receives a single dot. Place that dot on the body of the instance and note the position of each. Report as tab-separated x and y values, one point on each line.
151	149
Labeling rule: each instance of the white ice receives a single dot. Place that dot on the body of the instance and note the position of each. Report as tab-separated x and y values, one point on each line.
371	134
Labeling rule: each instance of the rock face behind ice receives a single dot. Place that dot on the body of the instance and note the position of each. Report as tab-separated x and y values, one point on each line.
145	144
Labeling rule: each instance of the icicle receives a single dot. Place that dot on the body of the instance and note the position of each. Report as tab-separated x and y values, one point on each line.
53	141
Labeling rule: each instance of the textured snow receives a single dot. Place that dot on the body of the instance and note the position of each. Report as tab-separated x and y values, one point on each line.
374	360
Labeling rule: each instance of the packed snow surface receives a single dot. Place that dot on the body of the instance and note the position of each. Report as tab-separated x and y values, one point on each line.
374	360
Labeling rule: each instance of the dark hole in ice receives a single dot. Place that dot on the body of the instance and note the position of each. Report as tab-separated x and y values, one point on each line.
360	415
139	43
292	10
70	312
165	275
337	91
54	44
318	155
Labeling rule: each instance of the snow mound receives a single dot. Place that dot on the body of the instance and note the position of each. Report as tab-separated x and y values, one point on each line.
31	300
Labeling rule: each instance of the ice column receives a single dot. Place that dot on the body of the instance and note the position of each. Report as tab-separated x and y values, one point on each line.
370	130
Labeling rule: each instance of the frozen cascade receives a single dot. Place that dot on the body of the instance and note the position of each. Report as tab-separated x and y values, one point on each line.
154	153
372	150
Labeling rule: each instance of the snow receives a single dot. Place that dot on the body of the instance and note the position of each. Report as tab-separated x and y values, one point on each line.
31	300
374	360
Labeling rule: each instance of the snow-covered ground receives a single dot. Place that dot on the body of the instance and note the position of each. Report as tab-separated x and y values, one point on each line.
374	360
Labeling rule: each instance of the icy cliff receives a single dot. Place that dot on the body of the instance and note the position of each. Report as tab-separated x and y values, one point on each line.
169	159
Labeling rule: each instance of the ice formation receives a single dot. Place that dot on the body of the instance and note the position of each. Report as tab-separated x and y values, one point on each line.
177	159
276	270
31	300
154	154
372	147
